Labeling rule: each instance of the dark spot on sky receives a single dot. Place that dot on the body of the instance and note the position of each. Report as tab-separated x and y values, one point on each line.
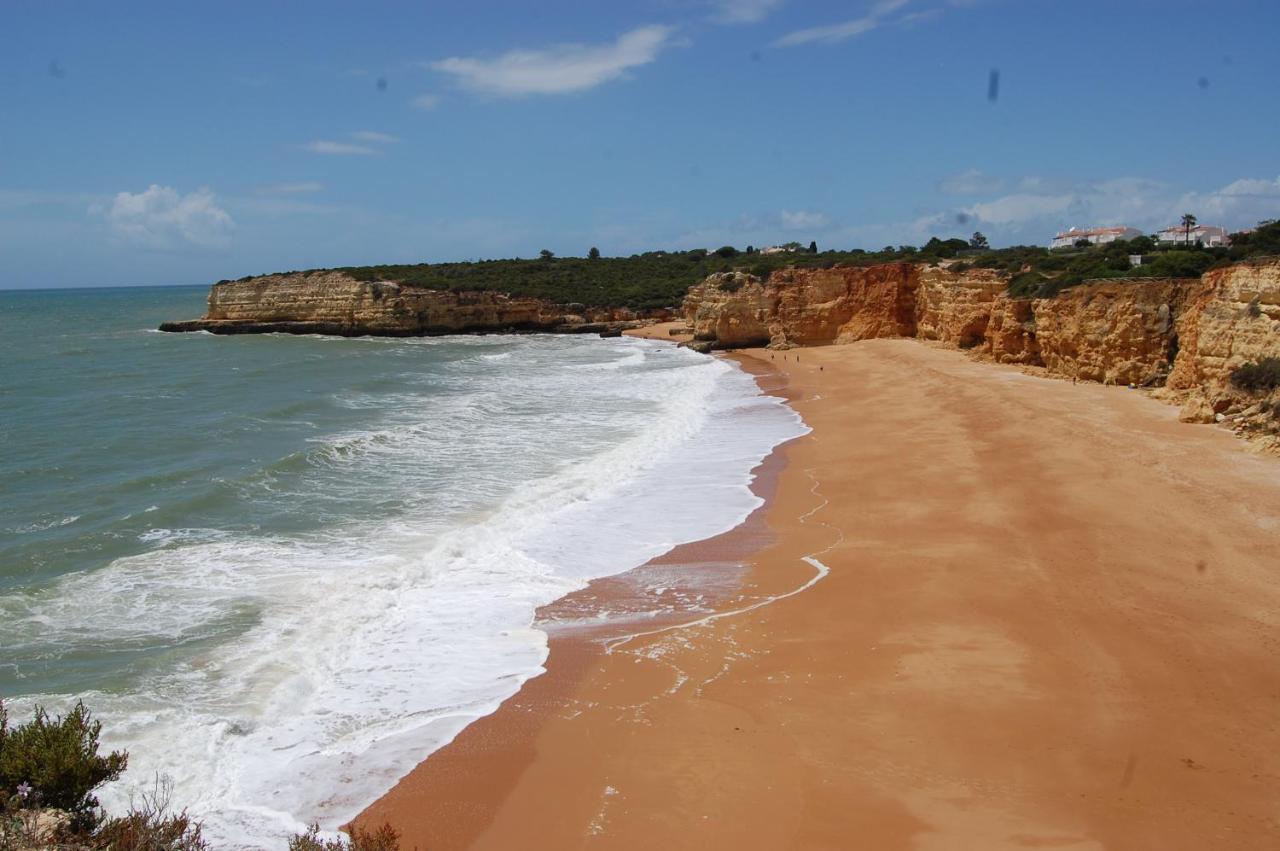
1203	82
993	85
962	218
756	56
381	84
56	70
1227	60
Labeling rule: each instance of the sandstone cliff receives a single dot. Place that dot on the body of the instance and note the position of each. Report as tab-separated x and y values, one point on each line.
1186	334
334	303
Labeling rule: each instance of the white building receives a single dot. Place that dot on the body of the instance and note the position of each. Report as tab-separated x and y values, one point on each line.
1096	236
1207	235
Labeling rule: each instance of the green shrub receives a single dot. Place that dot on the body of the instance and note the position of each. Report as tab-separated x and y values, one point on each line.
1025	284
384	838
58	761
1260	377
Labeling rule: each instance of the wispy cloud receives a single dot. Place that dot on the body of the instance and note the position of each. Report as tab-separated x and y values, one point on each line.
364	146
803	220
373	136
160	217
331	148
425	102
743	11
557	70
832	33
971	182
291	188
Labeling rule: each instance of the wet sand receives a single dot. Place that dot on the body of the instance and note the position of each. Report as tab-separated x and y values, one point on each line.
1050	622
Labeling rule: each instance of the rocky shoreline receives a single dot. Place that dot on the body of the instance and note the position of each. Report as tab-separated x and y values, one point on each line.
1180	337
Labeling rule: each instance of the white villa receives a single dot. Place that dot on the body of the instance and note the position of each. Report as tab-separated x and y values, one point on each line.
1207	235
1097	236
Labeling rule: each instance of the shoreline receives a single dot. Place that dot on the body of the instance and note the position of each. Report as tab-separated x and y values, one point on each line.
466	779
1049	622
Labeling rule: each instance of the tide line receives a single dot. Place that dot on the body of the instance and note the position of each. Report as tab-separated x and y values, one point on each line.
821	573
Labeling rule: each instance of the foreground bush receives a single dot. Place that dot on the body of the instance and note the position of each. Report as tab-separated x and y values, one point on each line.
150	825
55	764
1260	377
384	838
49	769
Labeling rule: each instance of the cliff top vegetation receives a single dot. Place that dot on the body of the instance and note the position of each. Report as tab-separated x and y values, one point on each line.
658	279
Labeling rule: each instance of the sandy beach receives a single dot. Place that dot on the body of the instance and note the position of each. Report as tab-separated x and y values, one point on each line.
981	609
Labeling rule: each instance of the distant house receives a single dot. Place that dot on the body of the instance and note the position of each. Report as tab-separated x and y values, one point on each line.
1096	236
780	249
1206	235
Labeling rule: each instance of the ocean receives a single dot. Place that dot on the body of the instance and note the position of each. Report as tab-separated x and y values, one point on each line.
281	570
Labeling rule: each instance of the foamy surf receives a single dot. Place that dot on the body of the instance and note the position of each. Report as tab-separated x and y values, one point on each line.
285	672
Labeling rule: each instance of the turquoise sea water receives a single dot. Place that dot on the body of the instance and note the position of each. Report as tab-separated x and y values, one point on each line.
283	569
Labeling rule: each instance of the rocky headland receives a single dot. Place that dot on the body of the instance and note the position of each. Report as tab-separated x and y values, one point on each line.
331	302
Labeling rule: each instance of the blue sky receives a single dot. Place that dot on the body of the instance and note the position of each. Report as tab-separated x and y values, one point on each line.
175	143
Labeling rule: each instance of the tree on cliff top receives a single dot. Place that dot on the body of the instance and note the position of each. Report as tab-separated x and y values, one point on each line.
593	254
813	247
1188	222
546	254
979	240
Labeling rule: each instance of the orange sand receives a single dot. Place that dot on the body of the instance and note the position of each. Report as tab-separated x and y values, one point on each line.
1050	622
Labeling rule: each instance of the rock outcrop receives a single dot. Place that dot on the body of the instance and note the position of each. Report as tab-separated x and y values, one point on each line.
1187	335
334	303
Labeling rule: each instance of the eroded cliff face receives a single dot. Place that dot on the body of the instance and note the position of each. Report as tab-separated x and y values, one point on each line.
1114	332
805	307
1232	317
1187	333
333	303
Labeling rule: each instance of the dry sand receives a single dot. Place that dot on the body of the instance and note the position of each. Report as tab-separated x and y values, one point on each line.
1050	622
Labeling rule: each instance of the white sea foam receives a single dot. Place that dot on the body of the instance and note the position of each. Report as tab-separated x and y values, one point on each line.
326	666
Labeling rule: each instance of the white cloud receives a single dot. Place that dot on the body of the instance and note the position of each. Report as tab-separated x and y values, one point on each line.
292	188
743	11
558	70
803	220
1239	204
160	217
425	102
971	182
377	138
1040	208
912	19
1020	207
325	146
832	33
